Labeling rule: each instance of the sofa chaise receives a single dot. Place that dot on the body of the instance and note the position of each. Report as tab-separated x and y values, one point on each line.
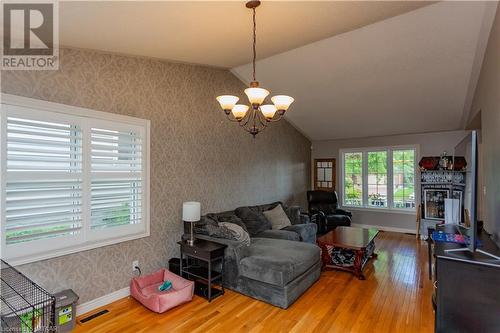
279	265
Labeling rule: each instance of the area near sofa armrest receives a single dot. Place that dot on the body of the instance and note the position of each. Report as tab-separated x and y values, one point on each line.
340	211
304	218
280	234
293	213
235	249
307	231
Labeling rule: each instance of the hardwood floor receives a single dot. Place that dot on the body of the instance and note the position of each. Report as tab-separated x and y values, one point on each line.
395	297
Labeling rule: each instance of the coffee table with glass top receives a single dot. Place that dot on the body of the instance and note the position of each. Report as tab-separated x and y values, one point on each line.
348	249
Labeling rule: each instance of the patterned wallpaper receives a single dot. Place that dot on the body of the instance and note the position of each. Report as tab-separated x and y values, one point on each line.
196	154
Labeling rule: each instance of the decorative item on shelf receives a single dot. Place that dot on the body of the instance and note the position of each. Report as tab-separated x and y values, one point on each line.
254	118
429	163
443	161
459	163
191	212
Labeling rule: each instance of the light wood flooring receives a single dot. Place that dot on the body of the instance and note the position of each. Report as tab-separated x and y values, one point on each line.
395	297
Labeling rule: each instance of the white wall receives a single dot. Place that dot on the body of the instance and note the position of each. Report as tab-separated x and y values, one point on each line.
487	100
429	144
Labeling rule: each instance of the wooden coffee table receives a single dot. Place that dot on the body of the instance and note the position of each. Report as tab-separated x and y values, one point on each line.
348	249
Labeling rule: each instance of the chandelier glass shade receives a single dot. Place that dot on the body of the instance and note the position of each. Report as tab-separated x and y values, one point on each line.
255	117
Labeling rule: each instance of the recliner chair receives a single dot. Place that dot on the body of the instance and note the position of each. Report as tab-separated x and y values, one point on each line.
325	212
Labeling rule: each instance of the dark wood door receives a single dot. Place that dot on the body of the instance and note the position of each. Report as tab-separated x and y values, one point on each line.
324	174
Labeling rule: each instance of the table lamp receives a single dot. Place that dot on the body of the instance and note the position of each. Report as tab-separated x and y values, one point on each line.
191	212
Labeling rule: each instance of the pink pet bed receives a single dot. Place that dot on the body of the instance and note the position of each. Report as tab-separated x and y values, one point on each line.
145	290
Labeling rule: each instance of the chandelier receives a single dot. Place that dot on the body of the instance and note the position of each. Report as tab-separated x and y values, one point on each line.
254	118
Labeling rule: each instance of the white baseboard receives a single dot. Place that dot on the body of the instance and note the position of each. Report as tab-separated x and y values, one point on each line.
101	301
385	228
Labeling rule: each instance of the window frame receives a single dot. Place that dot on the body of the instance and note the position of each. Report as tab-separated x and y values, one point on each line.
390	180
30	251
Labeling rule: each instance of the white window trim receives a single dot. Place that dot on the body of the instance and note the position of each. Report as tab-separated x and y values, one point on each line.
389	208
86	244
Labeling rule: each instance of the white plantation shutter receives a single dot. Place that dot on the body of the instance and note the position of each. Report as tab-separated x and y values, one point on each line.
72	179
43	194
116	186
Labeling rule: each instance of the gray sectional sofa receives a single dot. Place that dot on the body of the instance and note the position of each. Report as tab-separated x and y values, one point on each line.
279	265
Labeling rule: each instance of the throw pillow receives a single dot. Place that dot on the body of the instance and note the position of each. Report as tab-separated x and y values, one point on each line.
201	226
255	222
237	231
277	217
220	232
293	213
232	219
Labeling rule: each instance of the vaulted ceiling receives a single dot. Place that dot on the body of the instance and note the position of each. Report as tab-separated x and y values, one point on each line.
355	68
412	73
215	33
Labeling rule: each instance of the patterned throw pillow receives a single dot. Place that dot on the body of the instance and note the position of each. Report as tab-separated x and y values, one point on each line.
220	232
201	227
232	219
238	232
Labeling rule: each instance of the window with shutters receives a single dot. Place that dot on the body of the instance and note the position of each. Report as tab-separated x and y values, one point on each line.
72	179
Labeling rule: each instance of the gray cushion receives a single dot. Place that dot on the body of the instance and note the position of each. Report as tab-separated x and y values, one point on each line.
277	217
293	213
280	234
306	231
264	207
277	261
227	217
254	221
214	219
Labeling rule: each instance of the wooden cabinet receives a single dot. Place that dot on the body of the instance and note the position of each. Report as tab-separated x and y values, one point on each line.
467	295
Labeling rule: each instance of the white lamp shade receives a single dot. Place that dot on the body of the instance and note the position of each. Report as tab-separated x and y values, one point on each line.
227	102
268	110
239	111
282	102
256	95
191	211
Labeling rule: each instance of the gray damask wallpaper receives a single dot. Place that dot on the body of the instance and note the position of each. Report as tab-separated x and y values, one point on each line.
196	154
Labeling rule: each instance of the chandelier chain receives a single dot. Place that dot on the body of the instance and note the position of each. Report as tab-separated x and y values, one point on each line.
254	43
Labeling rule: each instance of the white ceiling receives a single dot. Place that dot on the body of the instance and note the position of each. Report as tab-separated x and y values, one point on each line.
215	33
411	73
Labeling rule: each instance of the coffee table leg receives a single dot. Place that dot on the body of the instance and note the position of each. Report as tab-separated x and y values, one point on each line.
325	258
358	264
374	255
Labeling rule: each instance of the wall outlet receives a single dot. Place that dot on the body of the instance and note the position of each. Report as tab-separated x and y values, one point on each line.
135	264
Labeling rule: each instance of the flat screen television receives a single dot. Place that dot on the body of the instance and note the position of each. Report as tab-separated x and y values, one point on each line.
468	148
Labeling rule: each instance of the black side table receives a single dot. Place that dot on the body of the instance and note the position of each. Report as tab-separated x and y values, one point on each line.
211	253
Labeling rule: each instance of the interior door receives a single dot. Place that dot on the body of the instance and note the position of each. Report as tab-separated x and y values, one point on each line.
324	174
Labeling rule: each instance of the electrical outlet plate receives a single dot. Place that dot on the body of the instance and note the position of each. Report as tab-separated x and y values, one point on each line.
135	264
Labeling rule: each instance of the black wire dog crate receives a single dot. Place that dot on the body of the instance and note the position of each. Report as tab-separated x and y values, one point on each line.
24	306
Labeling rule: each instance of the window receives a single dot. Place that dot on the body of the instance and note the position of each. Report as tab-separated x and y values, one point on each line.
403	163
72	179
353	175
379	178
